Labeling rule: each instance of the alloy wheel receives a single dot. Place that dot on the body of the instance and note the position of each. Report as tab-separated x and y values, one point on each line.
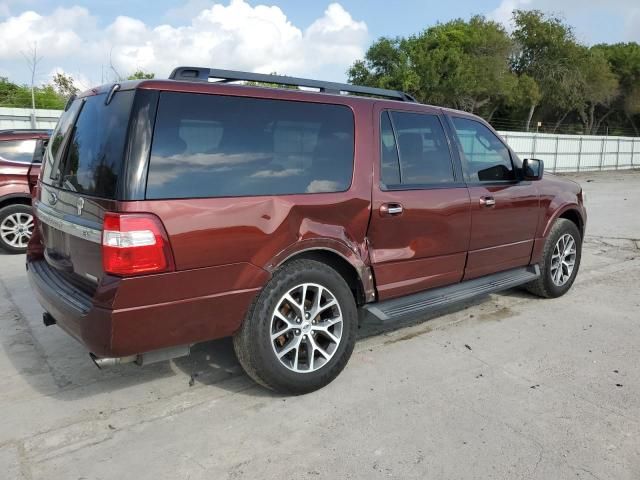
306	328
563	259
16	229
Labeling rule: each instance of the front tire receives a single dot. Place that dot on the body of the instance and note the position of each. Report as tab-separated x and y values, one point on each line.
300	331
560	260
16	227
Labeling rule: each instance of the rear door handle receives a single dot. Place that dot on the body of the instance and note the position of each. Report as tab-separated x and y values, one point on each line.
391	209
487	202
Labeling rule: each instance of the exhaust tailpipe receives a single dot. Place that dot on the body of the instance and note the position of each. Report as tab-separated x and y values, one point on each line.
142	358
105	362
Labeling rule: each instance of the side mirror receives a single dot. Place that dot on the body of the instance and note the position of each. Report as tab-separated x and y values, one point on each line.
532	169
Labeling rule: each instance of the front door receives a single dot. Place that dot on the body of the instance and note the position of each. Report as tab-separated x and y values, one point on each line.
420	223
504	210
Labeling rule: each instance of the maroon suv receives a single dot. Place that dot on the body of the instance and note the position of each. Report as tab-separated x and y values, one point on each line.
176	211
20	157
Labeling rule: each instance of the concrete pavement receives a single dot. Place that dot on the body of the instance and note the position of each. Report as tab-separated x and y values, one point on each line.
510	387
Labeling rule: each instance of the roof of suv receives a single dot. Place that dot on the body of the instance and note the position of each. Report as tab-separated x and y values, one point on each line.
211	81
206	80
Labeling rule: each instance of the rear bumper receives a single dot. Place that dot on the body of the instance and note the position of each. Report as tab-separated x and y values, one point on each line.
109	324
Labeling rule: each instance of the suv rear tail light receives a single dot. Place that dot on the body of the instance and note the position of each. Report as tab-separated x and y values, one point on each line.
134	244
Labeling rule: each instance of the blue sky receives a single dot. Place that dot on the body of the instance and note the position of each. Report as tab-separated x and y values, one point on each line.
297	37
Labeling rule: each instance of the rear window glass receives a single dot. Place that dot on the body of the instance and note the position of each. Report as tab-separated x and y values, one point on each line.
216	146
17	150
91	160
424	151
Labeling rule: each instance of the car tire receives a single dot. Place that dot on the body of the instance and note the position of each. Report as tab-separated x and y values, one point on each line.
555	278
16	227
292	352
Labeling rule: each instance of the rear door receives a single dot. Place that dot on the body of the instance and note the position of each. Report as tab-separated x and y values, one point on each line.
504	209
81	169
420	223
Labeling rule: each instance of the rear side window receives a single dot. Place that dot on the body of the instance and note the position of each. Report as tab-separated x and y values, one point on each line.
485	157
423	147
20	151
217	146
425	158
390	171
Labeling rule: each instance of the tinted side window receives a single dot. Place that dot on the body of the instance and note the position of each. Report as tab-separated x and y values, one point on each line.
424	151
95	150
216	146
485	157
390	168
17	150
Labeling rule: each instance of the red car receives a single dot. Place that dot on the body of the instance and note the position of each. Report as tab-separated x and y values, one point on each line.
20	157
177	211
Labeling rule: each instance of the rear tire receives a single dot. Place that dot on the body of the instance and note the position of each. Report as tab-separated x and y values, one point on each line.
16	227
560	260
291	351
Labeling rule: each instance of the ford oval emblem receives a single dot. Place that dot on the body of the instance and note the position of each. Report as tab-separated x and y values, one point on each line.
53	198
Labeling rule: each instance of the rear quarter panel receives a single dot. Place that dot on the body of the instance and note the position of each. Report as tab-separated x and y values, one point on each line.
13	179
265	230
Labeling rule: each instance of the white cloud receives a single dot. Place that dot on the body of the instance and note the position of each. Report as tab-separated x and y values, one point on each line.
235	35
629	10
632	25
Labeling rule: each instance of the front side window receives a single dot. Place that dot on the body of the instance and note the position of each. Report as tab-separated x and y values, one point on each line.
218	146
424	155
20	151
484	156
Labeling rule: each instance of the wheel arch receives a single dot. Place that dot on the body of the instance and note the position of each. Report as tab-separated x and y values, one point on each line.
15	199
357	275
574	216
569	212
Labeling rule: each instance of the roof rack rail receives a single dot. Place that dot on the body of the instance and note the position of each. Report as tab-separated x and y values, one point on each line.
25	130
203	74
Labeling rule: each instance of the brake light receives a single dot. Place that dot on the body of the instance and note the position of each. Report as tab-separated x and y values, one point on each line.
135	243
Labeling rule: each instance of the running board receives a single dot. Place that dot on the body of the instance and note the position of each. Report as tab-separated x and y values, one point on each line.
438	298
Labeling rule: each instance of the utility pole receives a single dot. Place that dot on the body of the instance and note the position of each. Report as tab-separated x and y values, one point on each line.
32	61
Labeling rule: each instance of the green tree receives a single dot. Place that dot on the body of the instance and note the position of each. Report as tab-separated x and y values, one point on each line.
624	60
63	84
459	64
526	96
598	90
141	75
19	96
547	51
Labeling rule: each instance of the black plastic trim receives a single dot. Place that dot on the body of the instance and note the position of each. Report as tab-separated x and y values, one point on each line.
439	298
142	120
54	285
203	74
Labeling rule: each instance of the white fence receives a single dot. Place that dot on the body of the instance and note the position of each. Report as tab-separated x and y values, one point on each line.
575	153
561	153
21	118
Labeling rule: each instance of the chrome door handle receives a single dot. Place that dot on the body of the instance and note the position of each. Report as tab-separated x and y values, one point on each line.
391	209
487	202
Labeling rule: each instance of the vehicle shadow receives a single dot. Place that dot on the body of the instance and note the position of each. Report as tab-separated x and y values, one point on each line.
211	363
